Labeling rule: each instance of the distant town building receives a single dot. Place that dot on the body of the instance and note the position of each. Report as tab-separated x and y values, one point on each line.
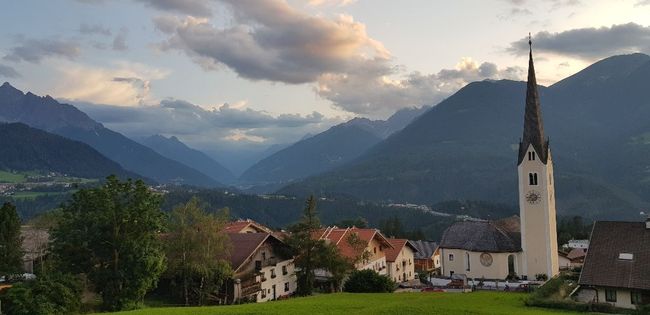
617	266
401	260
582	244
246	226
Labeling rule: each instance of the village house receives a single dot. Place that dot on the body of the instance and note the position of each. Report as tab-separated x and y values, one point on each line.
375	246
262	272
401	260
617	266
246	226
573	259
427	257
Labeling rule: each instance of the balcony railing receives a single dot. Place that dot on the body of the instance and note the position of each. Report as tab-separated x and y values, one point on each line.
250	286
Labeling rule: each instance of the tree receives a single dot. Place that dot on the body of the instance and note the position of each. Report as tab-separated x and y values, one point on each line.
196	251
11	251
305	248
51	294
111	234
368	281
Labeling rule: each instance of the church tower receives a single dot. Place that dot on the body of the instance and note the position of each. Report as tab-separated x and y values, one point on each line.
536	190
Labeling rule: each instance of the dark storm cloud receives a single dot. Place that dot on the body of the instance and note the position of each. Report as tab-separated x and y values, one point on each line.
8	72
589	43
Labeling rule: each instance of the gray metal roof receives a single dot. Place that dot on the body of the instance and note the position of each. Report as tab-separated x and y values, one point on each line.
603	265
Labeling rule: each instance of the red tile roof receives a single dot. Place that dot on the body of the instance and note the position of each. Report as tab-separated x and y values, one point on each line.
238	226
392	253
339	237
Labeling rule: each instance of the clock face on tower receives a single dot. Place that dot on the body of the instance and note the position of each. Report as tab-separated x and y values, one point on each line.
533	197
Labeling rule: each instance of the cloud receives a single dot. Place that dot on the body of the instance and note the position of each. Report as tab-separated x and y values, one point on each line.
224	124
371	94
119	42
95	29
122	83
589	43
339	3
273	41
8	72
189	7
34	50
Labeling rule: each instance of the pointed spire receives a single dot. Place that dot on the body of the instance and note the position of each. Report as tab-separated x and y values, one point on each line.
533	126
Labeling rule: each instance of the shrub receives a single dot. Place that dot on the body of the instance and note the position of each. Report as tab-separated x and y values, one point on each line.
368	281
49	295
541	277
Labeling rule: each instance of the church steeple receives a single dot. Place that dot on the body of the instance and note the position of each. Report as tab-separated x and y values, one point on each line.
533	126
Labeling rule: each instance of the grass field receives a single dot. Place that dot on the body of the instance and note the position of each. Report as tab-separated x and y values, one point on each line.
349	304
13	178
34	194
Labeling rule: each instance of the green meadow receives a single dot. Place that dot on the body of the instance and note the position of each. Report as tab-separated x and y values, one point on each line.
483	302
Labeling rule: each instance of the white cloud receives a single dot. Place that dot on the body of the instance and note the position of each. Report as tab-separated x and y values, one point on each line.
123	84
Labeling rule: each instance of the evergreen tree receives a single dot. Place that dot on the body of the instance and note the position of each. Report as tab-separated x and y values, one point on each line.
306	248
11	251
111	234
196	250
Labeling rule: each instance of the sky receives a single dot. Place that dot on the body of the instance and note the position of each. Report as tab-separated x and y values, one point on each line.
239	75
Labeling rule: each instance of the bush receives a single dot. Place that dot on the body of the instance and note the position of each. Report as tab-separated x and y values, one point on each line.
48	295
368	281
541	277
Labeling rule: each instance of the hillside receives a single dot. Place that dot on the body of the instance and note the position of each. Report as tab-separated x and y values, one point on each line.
314	155
28	149
465	147
327	150
67	121
176	150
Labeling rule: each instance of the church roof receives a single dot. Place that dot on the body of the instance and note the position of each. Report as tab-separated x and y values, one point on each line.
604	264
503	236
533	125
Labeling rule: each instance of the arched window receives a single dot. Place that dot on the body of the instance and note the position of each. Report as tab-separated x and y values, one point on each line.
531	156
512	265
467	265
532	178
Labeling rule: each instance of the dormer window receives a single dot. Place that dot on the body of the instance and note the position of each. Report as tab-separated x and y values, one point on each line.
626	256
532	178
531	156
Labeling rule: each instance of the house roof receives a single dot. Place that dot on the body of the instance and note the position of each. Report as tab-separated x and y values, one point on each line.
577	253
244	246
425	249
398	245
239	225
338	237
602	266
484	236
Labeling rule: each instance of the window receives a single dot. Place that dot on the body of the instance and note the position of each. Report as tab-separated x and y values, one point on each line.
610	295
284	270
263	255
532	178
286	287
258	265
531	156
635	297
467	261
451	257
375	250
272	273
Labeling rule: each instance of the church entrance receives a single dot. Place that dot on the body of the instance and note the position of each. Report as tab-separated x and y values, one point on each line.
511	265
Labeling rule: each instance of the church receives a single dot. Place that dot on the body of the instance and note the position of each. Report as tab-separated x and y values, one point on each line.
524	246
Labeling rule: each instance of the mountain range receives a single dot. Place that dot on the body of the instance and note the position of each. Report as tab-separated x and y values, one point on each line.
327	150
176	150
465	147
65	120
23	148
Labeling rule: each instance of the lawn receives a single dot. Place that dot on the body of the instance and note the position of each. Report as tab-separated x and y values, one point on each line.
483	302
13	178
